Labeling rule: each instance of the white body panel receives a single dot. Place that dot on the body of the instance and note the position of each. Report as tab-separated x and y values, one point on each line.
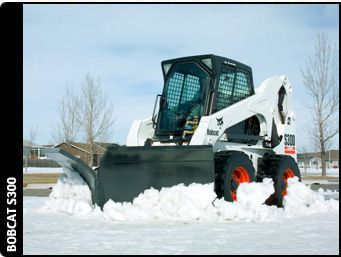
263	104
140	131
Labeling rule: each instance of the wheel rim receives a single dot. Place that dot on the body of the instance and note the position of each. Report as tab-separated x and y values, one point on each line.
239	175
288	173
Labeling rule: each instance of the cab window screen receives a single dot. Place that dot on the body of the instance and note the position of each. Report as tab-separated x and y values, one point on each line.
185	94
241	88
225	87
233	86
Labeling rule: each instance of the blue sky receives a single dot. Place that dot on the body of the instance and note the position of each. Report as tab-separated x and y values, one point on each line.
124	44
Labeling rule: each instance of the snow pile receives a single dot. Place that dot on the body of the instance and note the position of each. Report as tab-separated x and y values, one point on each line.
176	203
301	199
196	202
70	195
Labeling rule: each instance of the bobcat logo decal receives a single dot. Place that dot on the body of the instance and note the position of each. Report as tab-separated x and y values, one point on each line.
220	121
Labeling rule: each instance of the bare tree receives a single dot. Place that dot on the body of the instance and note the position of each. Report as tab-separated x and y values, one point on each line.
95	113
321	79
64	128
32	134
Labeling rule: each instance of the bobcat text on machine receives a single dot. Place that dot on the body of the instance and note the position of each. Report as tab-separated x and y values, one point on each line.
208	125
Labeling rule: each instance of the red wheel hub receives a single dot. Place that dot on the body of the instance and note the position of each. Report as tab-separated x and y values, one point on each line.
239	175
288	173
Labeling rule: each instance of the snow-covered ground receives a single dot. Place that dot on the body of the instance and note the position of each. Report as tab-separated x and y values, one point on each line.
42	170
182	220
333	172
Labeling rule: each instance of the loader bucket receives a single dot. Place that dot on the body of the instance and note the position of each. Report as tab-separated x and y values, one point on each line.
125	172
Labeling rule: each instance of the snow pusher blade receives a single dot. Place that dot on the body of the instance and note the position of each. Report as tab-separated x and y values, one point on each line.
125	172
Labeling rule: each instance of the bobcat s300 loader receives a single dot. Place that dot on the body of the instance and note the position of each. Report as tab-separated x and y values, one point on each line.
208	125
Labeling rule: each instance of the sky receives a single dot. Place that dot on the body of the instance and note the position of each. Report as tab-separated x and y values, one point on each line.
124	44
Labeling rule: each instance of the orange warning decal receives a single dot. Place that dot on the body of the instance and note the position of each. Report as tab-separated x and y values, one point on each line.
289	149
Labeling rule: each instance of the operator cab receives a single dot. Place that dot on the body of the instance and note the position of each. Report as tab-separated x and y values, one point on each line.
197	86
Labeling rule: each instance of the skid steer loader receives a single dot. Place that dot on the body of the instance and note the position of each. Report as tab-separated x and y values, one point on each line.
208	125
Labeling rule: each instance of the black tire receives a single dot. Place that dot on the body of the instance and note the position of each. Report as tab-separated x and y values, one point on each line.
237	169
281	167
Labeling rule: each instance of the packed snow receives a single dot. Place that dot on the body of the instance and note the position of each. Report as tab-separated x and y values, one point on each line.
332	172
29	170
182	220
71	195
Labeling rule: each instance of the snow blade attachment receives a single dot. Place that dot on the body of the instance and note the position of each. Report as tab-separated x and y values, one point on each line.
125	172
73	163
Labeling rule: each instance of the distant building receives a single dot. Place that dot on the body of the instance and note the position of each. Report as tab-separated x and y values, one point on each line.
82	150
313	160
34	157
32	150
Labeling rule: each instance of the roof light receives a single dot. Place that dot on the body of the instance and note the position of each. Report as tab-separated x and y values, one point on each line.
208	62
166	67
